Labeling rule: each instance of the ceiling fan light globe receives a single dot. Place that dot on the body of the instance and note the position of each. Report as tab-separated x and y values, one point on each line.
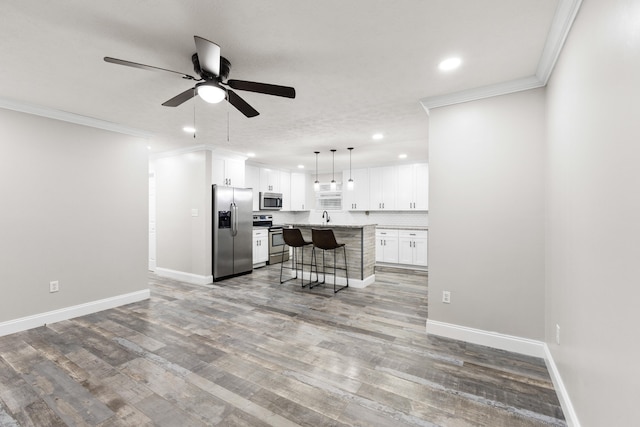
211	93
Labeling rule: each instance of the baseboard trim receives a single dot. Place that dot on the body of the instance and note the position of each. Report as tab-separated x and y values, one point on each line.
487	338
567	407
37	320
194	279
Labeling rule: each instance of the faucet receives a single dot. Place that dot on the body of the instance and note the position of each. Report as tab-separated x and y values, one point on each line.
327	214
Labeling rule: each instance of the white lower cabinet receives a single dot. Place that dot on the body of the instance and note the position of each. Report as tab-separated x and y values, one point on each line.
386	245
260	247
412	247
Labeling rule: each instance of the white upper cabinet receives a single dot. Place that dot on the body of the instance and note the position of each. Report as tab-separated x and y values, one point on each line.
413	187
299	192
285	189
382	188
270	180
356	199
252	180
228	172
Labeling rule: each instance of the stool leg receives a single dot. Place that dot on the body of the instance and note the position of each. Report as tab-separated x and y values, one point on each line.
302	269
281	265
346	272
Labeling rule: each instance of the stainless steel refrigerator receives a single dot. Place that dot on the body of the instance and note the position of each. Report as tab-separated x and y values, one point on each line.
232	231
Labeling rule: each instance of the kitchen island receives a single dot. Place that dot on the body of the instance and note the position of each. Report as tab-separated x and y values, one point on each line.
361	256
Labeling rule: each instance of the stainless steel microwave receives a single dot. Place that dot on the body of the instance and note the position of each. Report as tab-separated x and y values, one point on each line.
270	201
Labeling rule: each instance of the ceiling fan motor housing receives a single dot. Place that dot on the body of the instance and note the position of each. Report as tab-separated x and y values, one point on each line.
225	67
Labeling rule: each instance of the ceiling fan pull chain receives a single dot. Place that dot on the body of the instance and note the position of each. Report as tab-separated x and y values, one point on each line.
194	115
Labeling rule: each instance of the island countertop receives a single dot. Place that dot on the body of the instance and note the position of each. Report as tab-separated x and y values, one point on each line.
331	225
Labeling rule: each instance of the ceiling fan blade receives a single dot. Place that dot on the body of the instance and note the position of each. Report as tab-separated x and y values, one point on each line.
145	67
179	99
285	91
241	104
208	55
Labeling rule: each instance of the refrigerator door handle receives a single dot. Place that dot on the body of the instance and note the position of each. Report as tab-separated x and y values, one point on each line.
234	219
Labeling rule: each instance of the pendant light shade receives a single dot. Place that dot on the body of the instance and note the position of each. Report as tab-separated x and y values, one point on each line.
333	169
350	182
316	184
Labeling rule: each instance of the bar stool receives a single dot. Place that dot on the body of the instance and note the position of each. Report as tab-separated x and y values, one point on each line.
325	240
293	237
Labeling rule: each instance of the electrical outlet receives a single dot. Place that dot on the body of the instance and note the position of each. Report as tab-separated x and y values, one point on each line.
446	297
54	286
557	334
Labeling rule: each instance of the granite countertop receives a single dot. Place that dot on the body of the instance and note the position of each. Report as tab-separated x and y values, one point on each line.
331	225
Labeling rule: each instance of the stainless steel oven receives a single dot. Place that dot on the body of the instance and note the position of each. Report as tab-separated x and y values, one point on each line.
277	245
276	241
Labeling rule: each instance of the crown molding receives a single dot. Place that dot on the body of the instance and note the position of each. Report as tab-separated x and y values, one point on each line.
483	92
561	24
65	116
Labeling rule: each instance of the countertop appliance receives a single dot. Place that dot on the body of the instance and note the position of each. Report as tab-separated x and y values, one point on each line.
232	250
276	241
270	201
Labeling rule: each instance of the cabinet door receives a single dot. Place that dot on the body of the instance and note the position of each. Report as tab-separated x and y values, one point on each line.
375	189
234	172
382	185
264	249
298	191
406	187
269	180
421	186
217	171
420	252
252	180
405	250
391	249
387	245
285	189
379	248
356	199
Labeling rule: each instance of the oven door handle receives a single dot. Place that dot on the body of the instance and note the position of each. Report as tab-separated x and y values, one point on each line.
234	218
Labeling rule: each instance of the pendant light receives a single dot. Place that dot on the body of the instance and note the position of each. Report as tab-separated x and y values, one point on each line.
350	182
316	185
333	167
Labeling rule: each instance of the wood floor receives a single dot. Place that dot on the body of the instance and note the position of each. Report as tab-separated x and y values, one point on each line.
251	352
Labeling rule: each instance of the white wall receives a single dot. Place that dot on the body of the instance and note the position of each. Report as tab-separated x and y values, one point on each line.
593	226
486	217
183	183
73	208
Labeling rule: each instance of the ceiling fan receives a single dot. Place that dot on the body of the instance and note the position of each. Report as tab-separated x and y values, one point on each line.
213	70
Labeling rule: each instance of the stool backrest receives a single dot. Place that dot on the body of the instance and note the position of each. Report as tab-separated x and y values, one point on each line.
324	238
293	237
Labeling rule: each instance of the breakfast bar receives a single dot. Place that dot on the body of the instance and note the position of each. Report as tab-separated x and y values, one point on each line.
361	256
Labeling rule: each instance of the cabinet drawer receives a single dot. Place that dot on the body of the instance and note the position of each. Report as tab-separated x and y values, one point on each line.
413	234
386	232
260	233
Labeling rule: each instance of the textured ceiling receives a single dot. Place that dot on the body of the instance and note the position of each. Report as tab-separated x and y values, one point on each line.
358	66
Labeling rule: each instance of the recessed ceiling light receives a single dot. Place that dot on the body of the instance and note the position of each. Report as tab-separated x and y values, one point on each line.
402	156
300	166
149	147
189	129
450	64
251	154
377	136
